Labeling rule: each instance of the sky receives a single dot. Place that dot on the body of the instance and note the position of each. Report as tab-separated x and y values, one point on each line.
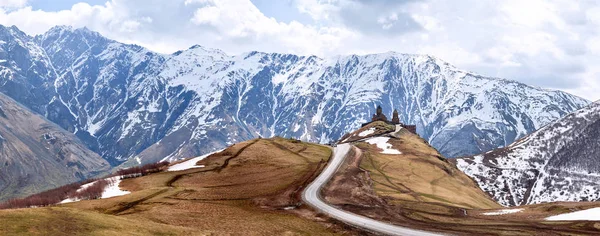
552	44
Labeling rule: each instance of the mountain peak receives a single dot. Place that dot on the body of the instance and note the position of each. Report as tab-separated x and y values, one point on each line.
198	51
67	30
61	28
13	31
195	46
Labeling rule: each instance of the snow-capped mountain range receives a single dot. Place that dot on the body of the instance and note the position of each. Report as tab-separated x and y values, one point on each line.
559	162
128	103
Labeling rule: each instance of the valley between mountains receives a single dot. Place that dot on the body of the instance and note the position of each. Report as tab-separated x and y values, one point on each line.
255	187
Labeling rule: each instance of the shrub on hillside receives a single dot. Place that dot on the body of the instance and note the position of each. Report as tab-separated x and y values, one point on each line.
141	170
94	191
46	198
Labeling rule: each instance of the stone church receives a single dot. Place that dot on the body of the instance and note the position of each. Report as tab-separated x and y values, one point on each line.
379	116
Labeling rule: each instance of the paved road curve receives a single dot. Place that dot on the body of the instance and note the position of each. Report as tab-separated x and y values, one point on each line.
312	197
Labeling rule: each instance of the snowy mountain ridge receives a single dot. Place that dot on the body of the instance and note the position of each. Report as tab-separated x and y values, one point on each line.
128	103
555	163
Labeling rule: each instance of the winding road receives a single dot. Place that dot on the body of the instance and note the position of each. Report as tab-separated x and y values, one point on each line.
312	197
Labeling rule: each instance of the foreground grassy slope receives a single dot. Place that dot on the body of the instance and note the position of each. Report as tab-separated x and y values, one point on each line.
252	188
71	221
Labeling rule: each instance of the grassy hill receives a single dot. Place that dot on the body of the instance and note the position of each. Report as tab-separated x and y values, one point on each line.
73	221
420	174
251	187
398	177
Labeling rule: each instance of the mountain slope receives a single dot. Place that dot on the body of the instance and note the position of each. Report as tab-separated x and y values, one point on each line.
131	104
556	163
36	155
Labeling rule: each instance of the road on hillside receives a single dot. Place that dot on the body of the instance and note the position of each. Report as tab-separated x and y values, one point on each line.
312	197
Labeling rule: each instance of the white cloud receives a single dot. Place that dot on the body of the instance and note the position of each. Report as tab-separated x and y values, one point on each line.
13	3
318	9
545	43
168	26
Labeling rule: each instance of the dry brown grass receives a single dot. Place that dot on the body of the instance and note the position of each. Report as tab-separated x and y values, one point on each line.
255	172
421	174
245	190
241	191
70	221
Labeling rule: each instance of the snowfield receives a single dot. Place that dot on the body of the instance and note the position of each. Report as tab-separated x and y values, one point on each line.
191	163
589	214
382	143
367	132
502	212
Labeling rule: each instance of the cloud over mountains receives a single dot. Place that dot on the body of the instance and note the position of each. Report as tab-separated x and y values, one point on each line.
545	43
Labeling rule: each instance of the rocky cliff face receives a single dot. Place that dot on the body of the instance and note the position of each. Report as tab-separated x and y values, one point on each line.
36	155
559	162
128	103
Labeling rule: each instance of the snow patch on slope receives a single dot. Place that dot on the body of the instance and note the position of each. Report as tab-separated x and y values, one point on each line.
113	189
502	212
382	143
367	132
585	215
191	163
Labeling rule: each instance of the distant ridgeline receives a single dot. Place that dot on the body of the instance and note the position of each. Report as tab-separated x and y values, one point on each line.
379	116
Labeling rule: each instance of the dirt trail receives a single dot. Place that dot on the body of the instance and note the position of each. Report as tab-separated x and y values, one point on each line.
290	151
128	205
226	163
